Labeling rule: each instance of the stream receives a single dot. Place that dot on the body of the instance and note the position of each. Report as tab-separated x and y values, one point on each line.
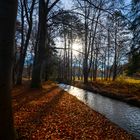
124	115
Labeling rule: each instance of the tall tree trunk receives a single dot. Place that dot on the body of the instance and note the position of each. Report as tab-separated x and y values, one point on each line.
115	58
71	63
95	66
85	72
108	55
65	57
8	9
37	68
71	71
85	62
19	72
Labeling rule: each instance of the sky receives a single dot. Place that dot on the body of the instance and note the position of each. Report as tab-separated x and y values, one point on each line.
67	3
76	46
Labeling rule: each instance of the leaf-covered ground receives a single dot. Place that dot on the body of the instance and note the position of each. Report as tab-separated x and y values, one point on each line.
53	114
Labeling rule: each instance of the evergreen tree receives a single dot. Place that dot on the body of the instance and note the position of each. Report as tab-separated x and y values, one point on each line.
134	65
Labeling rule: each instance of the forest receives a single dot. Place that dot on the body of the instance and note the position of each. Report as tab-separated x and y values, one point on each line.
84	44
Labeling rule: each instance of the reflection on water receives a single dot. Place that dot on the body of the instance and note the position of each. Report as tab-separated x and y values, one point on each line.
126	116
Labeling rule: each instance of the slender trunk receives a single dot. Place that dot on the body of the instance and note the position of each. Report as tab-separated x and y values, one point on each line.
79	71
22	59
7	31
115	58
102	68
96	62
71	64
95	70
105	65
14	66
85	78
74	75
68	63
108	56
85	61
65	57
24	50
19	74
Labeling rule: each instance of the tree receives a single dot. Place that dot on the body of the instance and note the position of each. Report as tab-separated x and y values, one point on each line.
8	10
45	8
28	9
135	27
70	27
90	16
134	63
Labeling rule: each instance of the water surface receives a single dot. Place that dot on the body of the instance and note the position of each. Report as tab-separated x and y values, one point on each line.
124	115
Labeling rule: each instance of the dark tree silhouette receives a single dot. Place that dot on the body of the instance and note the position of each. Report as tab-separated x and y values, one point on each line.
45	8
8	10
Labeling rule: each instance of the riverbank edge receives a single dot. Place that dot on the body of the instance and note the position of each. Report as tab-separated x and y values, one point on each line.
24	124
129	99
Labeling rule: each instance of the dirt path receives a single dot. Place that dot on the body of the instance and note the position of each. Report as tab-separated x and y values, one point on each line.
52	114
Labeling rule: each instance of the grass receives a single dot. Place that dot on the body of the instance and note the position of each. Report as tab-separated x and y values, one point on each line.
123	88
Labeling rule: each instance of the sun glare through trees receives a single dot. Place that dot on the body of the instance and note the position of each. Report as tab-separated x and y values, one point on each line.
69	69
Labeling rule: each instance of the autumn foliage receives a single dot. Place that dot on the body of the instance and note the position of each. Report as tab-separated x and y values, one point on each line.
51	113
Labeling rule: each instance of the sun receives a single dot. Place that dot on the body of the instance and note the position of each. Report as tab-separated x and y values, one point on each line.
77	48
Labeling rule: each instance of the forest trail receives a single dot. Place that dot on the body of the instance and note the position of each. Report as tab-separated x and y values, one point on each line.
51	113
